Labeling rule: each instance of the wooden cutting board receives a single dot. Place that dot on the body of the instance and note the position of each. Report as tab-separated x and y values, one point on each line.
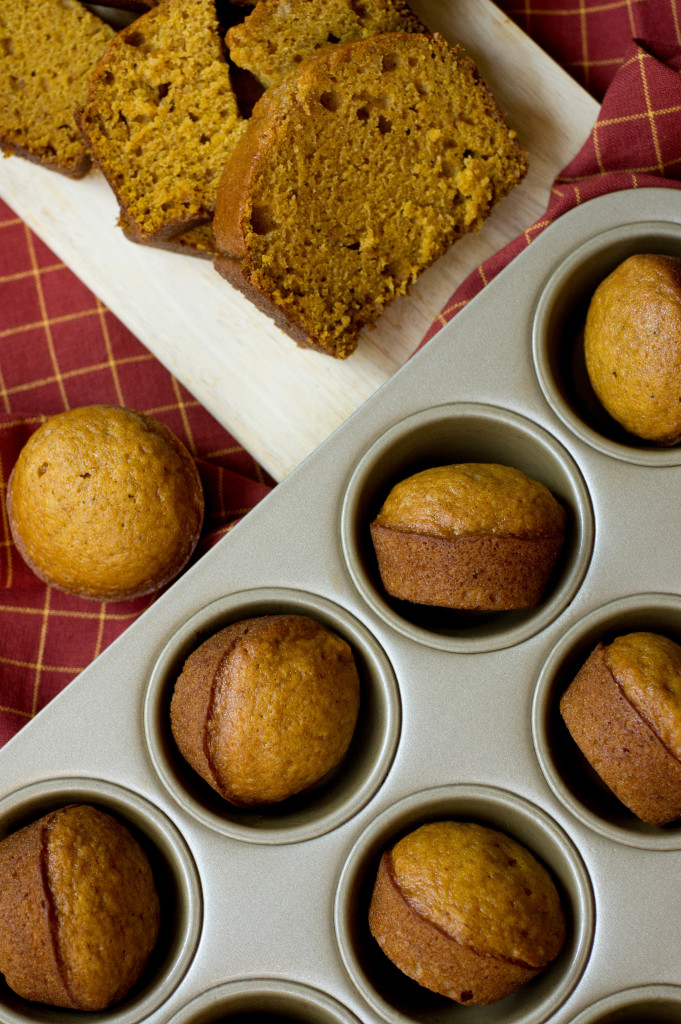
280	401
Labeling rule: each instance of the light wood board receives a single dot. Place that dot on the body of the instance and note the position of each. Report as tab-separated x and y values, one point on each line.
280	401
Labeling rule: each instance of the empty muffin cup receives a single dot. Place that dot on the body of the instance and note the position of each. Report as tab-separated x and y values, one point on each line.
398	998
576	784
654	1004
558	338
338	795
466	433
175	877
261	1000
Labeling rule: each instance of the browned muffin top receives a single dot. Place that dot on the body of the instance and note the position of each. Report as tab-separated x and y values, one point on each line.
79	910
632	347
648	668
266	707
482	888
105	902
105	502
469	499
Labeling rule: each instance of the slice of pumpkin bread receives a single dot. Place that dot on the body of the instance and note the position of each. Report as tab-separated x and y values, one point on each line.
279	34
161	117
356	173
48	49
198	241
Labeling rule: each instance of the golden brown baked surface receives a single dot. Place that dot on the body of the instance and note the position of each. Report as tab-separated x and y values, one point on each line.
466	911
105	502
632	346
472	498
354	174
623	710
49	49
469	535
79	911
266	707
280	34
161	116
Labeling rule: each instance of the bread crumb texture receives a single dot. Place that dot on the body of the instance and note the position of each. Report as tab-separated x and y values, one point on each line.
481	888
468	499
357	172
648	668
161	116
105	502
280	34
48	49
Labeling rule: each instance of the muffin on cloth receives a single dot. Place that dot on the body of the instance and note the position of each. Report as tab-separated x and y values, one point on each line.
466	911
266	707
632	346
79	911
623	710
105	502
469	535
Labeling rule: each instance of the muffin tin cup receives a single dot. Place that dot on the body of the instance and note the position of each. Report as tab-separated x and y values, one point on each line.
647	1004
399	999
338	796
176	879
567	772
449	434
260	1000
558	338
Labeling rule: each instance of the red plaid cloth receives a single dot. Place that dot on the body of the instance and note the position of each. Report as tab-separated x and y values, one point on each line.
636	141
59	347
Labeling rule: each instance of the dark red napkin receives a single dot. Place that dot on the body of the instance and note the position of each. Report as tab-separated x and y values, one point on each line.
60	348
636	140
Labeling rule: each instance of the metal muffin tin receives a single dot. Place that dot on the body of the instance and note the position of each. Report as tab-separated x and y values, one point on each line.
265	912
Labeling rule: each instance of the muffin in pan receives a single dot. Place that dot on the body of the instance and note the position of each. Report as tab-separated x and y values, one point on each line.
632	346
466	911
623	710
469	535
266	708
79	910
105	502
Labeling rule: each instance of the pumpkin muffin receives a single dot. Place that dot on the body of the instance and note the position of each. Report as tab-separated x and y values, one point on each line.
79	911
470	535
623	710
266	707
632	346
353	175
105	502
466	911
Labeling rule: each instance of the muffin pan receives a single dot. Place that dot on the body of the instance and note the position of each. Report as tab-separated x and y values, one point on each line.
266	911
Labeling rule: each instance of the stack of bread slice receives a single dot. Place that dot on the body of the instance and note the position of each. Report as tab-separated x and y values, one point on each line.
374	146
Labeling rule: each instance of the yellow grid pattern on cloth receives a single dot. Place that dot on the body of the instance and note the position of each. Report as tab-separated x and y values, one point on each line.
60	347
